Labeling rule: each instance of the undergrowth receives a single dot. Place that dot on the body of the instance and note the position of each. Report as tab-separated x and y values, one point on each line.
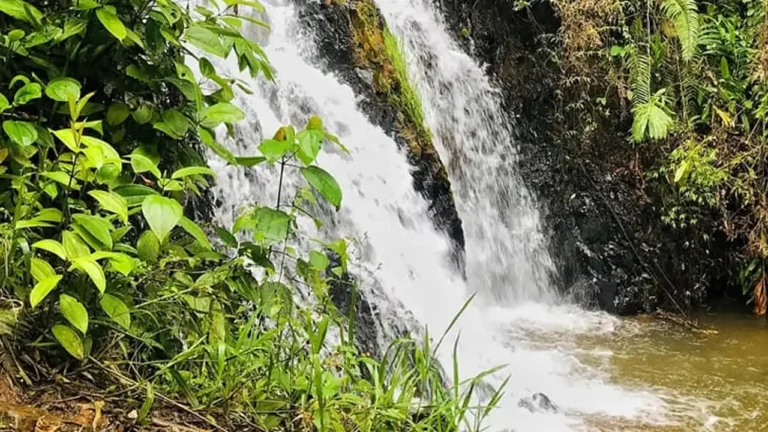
107	273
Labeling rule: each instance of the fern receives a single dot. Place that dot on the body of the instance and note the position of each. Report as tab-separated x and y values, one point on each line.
685	16
640	77
652	119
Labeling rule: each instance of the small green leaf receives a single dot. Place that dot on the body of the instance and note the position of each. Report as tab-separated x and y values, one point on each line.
141	164
195	231
142	114
74	246
4	104
20	10
112	202
206	40
63	89
92	269
188	171
111	22
68	138
319	260
249	161
42	289
21	132
117	310
162	215
324	184
27	93
134	194
271	226
174	124
148	247
117	114
97	227
74	312
41	270
223	112
217	148
310	143
51	246
274	149
70	340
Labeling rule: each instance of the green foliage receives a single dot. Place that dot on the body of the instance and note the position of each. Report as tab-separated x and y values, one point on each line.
684	14
103	130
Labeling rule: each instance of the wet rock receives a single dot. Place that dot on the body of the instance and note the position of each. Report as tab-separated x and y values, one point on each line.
537	403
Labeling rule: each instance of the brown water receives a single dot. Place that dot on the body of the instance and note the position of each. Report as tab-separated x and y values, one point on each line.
715	380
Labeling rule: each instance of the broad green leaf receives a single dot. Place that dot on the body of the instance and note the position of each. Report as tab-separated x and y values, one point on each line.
310	143
135	194
110	154
174	124
4	104
195	231
21	132
50	215
74	312
120	262
117	113
217	148
70	340
148	247
74	246
63	89
117	310
41	270
681	170
111	22
42	289
223	112
61	177
271	226
51	246
27	93
112	202
20	10
142	114
141	164
249	161
188	171
68	138
274	149
319	260
324	184
162	215
206	40
92	269
97	227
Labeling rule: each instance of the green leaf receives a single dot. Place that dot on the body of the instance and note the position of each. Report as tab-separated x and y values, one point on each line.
206	40
70	340
217	148
273	150
42	289
112	202
20	10
51	246
685	15
61	177
319	260
195	231
97	227
134	194
195	170
117	310
74	246
162	215
4	104
21	132
92	269
271	226
67	137
223	112
41	270
74	312
111	22
324	184
249	161
63	89
141	164
174	124
310	143
27	93
120	262
148	247
117	114
142	114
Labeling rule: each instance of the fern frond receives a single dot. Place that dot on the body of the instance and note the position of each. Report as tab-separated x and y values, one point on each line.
652	119
685	16
640	77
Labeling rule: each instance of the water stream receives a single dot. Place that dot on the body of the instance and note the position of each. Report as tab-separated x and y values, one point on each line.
557	349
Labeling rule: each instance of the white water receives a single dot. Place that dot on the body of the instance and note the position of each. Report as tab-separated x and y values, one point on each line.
404	260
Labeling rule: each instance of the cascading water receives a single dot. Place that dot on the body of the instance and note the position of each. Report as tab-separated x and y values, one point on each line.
403	258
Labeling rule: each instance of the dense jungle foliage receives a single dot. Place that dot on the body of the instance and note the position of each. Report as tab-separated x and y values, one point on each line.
108	111
688	79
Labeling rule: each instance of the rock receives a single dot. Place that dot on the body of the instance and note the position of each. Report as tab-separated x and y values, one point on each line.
539	402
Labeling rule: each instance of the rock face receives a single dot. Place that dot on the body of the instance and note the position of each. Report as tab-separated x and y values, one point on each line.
607	236
355	44
539	402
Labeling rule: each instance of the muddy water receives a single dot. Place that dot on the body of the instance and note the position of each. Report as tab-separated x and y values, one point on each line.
716	380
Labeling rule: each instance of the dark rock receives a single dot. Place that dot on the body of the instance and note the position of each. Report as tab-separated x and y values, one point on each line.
539	402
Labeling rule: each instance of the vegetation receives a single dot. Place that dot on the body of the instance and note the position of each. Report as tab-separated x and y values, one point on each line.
690	76
107	274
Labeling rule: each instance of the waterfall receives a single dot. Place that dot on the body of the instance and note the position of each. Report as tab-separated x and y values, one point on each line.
405	265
